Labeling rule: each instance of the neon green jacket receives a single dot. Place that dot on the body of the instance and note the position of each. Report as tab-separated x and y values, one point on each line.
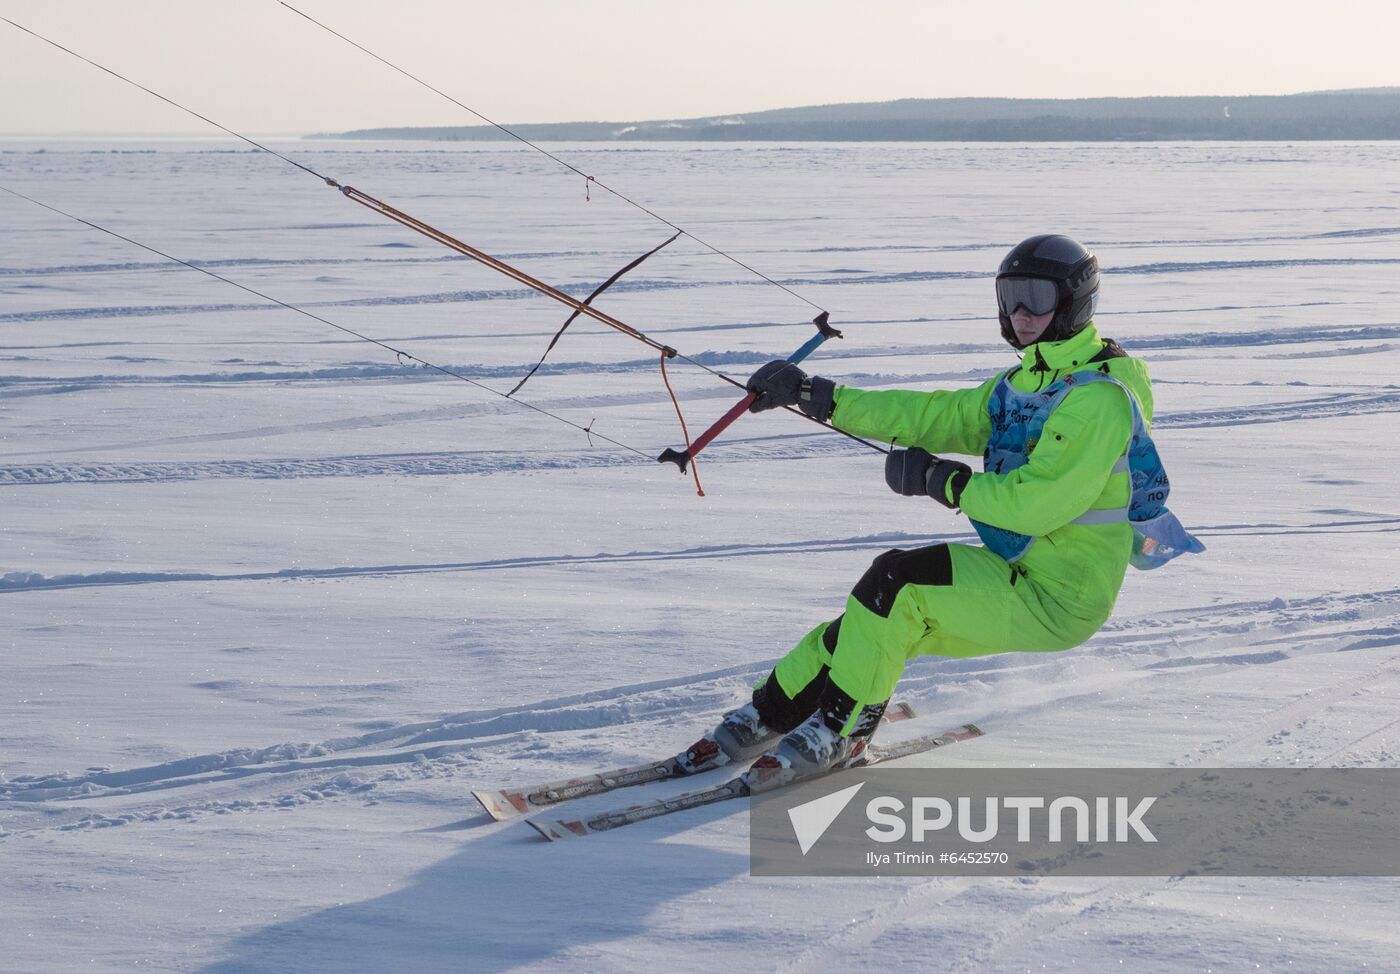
1081	567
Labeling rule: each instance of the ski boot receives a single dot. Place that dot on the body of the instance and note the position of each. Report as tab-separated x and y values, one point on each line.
740	736
814	747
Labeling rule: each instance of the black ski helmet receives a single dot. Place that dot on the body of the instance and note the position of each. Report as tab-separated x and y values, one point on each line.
1069	266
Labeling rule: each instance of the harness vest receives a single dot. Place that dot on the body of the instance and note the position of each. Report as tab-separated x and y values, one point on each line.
1018	419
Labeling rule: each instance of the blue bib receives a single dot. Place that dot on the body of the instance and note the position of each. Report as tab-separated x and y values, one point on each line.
1018	418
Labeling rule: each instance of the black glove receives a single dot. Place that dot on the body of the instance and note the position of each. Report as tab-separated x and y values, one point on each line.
916	473
947	479
781	383
906	471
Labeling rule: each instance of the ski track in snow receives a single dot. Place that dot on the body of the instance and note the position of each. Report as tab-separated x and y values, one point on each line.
450	746
1195	644
167	266
1341	335
978	947
634	285
25	581
488	462
18	581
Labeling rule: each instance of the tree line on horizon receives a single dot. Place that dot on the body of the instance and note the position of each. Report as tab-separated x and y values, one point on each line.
1341	115
1348	115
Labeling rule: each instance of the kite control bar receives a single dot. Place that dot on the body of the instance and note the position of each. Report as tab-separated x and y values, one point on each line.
682	458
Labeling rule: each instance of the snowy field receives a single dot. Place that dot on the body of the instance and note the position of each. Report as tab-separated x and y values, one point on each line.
274	603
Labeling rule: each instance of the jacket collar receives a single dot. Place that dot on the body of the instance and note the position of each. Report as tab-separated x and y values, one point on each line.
1062	356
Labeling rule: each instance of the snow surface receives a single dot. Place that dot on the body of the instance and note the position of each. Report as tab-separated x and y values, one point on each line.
274	603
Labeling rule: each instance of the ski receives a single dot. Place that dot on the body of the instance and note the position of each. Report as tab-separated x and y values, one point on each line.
503	804
748	783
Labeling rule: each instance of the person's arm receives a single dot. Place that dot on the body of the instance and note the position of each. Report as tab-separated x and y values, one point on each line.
1067	470
946	421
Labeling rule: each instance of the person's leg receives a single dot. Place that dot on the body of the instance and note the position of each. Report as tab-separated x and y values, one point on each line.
789	694
835	723
881	625
780	702
948	600
785	698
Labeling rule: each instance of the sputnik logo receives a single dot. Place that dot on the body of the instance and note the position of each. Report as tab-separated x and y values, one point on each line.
810	820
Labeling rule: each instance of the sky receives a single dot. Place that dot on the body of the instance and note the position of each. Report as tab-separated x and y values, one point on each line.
258	67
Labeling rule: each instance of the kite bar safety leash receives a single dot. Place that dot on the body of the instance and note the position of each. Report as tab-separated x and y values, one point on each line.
682	458
588	301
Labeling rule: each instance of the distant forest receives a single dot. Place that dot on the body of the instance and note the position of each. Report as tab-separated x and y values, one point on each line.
1371	113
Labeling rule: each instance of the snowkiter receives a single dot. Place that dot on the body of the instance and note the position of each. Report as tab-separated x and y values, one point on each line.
1072	490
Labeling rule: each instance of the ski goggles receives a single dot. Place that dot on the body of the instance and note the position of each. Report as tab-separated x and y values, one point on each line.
1035	294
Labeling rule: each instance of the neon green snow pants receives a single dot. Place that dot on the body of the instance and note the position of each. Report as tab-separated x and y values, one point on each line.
947	600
